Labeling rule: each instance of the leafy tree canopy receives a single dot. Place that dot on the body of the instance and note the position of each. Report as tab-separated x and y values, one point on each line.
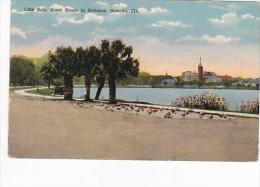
22	71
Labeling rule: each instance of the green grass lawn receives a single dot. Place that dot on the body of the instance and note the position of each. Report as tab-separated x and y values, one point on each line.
44	91
19	88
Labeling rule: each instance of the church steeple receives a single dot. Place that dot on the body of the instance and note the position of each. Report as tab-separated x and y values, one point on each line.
166	73
200	62
200	71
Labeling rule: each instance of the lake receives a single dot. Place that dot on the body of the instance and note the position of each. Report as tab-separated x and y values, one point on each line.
165	96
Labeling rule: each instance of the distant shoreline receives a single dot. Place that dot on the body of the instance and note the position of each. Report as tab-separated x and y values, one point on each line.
28	92
148	86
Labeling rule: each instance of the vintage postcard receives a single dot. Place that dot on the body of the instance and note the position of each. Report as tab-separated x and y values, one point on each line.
134	80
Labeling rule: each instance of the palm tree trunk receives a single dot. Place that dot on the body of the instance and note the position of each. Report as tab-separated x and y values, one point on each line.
112	90
100	86
68	87
87	85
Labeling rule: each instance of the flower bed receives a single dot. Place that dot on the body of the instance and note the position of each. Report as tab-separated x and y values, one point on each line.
250	106
206	100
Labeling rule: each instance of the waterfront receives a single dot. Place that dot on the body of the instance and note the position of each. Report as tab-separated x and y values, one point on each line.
165	96
43	128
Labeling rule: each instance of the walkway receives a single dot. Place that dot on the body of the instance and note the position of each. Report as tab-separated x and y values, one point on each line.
25	93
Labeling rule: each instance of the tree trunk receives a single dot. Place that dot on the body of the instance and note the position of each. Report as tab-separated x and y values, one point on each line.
112	90
100	86
87	85
68	87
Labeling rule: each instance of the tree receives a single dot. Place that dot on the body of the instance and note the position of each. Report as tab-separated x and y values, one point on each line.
105	57
88	59
100	78
22	71
118	64
65	67
48	73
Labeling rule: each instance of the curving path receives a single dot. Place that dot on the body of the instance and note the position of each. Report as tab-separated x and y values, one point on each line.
25	93
237	114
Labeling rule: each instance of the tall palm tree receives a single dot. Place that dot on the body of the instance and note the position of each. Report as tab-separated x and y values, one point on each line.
94	61
64	63
100	78
105	57
88	59
117	64
122	66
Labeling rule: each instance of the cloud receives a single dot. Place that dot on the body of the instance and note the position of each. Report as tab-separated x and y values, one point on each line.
169	24
89	17
226	19
218	39
58	6
15	11
157	10
154	10
120	5
249	16
102	3
15	31
230	19
142	10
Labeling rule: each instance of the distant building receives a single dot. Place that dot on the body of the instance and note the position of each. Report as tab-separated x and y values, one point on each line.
225	77
239	83
200	71
208	74
169	82
189	76
213	79
248	83
178	78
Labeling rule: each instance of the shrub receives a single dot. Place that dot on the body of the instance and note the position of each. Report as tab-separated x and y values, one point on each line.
250	106
206	100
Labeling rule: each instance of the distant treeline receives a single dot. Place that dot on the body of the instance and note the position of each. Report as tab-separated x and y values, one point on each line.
143	78
26	71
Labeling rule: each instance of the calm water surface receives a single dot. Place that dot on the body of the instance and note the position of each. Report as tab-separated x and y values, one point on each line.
166	96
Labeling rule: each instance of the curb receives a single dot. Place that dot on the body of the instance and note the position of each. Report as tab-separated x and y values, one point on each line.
236	114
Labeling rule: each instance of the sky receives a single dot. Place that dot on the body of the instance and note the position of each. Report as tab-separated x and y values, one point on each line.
164	34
